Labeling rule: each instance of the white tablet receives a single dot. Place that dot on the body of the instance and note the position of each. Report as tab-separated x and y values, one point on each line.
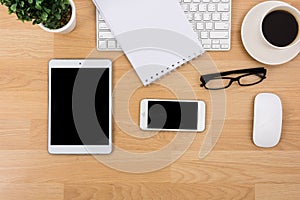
80	105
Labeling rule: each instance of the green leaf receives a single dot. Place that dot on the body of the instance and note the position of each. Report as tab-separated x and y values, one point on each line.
47	10
58	16
13	7
38	6
44	16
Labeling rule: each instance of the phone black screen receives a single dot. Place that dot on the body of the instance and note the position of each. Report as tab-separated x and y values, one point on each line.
172	115
80	106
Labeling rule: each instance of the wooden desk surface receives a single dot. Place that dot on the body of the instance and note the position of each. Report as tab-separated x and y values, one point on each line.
235	169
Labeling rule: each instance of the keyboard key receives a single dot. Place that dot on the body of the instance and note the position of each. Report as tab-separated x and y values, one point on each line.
204	35
206	16
223	7
209	26
193	25
221	26
111	44
200	26
102	25
193	7
211	7
206	46
100	17
102	45
216	46
216	16
106	35
197	16
202	7
224	41
185	7
220	35
118	46
189	16
206	41
225	16
225	46
215	41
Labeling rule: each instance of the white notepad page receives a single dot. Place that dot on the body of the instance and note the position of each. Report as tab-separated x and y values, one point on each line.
154	34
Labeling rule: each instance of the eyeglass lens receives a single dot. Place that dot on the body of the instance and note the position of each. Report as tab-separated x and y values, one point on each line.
250	79
218	83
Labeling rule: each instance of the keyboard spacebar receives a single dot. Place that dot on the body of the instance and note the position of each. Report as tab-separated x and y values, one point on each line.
219	35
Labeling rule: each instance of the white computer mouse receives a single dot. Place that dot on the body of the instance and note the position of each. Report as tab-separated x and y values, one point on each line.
267	120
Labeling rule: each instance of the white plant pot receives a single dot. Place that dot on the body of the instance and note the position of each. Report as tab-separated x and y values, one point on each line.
68	27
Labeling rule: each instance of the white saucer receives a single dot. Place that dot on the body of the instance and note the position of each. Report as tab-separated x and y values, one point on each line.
254	43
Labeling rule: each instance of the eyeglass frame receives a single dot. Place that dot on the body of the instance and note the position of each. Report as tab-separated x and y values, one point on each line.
251	71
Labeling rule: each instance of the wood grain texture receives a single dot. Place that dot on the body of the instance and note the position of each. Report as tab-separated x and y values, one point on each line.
28	191
277	191
235	169
159	191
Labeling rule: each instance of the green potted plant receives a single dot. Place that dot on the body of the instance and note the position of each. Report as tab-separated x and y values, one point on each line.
56	16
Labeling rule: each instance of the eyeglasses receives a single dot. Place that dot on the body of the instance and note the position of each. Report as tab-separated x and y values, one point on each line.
218	81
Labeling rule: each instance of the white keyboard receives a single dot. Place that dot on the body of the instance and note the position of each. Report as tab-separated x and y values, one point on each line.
210	19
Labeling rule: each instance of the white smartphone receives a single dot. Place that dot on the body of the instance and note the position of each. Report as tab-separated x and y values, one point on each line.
172	115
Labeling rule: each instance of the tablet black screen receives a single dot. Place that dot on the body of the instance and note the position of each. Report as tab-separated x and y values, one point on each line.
80	106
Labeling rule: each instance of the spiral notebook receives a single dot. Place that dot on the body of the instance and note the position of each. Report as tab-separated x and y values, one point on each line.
154	34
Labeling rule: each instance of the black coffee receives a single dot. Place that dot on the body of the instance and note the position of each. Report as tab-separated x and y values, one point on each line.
280	28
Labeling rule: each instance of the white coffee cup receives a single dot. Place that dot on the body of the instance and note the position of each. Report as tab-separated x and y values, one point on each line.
290	9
